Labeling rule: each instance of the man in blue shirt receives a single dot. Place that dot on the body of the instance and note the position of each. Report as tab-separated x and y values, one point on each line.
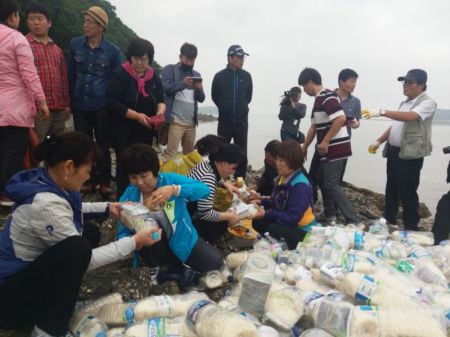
91	61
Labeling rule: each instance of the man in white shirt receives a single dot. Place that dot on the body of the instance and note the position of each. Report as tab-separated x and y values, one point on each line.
408	142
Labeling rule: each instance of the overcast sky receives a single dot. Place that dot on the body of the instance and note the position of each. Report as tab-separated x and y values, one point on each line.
380	39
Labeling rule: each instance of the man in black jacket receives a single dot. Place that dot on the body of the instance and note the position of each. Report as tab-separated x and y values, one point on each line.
232	92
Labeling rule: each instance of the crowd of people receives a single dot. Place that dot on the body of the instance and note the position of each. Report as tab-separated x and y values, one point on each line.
123	104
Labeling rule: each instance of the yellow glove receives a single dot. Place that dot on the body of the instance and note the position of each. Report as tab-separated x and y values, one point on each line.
370	113
374	147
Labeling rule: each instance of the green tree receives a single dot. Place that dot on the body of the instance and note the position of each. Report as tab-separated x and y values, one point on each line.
67	22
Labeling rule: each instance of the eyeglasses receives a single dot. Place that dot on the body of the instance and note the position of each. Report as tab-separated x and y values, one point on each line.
408	82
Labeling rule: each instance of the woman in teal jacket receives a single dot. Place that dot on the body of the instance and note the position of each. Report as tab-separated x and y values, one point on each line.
181	241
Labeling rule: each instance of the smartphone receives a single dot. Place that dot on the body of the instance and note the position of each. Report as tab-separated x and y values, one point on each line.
197	79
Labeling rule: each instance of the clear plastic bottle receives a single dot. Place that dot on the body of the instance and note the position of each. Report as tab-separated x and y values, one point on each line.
315	333
207	319
236	259
117	314
160	326
262	245
267	331
90	326
380	228
137	217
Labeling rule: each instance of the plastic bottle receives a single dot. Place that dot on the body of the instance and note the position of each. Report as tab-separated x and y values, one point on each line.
117	314
212	279
207	319
261	245
236	259
225	274
160	326
93	308
380	228
257	279
267	331
137	217
90	326
315	333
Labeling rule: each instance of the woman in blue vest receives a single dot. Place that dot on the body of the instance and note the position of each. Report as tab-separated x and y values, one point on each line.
43	255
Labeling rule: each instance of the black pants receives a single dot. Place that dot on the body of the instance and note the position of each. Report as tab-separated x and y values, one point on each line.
238	133
441	226
99	123
209	230
13	145
44	293
403	178
313	174
292	235
204	257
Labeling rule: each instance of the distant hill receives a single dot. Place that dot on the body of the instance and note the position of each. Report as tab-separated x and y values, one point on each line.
442	116
67	22
208	110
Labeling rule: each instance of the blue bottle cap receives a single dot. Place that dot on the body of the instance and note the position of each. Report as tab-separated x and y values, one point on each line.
155	235
100	334
129	315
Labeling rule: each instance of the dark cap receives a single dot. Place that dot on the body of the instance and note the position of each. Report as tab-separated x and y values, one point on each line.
236	50
418	75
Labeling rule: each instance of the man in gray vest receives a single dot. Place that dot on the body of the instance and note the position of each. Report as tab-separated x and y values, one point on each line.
408	141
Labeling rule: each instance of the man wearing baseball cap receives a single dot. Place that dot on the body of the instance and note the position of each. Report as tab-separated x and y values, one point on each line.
408	142
91	61
231	91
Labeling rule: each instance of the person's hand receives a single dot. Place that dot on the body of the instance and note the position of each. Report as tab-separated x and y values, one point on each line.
374	147
371	113
305	152
230	187
115	208
198	86
260	212
44	112
67	113
355	124
147	237
142	119
233	218
254	197
161	196
188	81
323	147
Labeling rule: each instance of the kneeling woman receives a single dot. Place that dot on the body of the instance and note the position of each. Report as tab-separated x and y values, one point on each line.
43	256
212	224
289	211
152	188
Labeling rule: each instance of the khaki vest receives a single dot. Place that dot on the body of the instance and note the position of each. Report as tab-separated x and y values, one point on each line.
416	135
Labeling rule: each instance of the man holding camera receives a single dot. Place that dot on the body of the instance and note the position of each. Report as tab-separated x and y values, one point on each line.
408	142
183	90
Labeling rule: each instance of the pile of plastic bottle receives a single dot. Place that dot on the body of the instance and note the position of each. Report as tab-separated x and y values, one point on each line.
340	281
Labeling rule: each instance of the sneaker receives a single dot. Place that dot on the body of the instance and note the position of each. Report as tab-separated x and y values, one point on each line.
6	202
154	275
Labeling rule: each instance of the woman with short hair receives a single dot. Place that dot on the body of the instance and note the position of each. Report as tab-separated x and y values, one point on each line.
289	212
135	95
43	255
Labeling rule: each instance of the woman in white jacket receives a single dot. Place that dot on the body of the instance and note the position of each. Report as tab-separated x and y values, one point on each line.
43	255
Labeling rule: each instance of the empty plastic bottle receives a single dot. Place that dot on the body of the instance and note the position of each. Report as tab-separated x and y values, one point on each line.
379	228
262	245
90	326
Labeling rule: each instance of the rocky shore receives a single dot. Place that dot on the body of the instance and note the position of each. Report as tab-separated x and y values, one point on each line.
135	283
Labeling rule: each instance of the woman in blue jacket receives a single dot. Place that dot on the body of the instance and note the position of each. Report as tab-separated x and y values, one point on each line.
171	190
289	212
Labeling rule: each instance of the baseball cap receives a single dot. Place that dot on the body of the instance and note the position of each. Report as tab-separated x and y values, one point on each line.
418	75
98	15
236	50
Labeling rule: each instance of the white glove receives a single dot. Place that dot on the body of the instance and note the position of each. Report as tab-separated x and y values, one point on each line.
370	113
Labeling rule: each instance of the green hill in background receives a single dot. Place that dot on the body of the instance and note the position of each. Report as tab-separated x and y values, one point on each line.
67	22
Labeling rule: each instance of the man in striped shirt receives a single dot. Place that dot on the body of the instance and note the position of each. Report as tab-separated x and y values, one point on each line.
52	70
333	144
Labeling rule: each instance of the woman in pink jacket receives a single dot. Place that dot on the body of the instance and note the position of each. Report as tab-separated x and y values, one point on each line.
20	93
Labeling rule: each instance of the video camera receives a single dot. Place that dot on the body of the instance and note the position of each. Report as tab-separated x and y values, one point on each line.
446	150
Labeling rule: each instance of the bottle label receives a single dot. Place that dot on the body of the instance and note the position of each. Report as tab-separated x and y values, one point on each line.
404	267
358	240
348	262
312	299
194	310
156	327
366	289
